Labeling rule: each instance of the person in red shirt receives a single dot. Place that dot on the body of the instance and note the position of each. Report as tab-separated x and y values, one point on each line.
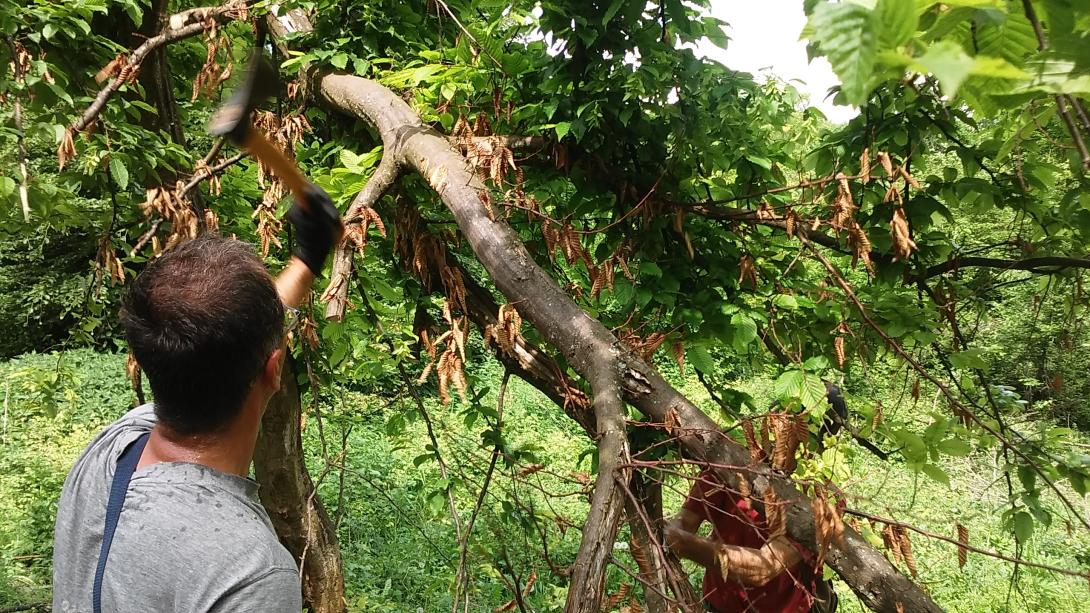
747	571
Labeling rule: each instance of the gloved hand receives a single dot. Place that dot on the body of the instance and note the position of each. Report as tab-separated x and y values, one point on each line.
317	228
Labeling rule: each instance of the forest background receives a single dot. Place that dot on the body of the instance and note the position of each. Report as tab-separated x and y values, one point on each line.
582	264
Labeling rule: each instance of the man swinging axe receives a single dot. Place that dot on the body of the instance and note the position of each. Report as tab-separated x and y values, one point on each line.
158	513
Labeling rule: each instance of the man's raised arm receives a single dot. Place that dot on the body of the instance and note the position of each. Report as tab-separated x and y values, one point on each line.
318	227
748	566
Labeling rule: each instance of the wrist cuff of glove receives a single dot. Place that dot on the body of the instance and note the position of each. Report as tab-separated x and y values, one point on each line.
314	263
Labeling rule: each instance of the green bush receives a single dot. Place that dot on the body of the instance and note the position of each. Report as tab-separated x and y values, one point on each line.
43	287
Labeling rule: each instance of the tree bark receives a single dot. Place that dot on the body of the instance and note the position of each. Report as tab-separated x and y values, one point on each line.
588	346
287	493
660	572
156	78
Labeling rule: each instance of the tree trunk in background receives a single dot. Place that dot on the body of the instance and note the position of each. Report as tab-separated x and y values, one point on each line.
155	78
288	495
644	515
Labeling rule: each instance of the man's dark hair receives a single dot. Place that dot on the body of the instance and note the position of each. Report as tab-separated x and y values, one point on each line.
201	321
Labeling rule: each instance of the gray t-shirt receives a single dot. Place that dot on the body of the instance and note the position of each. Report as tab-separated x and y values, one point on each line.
190	538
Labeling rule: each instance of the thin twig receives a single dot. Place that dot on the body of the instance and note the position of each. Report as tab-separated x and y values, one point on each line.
451	503
462	575
984	552
786	188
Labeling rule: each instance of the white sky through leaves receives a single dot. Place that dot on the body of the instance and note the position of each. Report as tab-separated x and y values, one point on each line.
764	40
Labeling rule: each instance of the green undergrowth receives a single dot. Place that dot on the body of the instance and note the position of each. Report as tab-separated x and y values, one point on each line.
394	525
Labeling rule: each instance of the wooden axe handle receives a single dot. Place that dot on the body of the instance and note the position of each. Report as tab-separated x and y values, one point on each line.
270	155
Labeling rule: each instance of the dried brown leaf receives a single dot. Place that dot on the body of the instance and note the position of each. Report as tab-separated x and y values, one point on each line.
906	549
678	349
860	246
886	162
963	552
903	245
775	514
616	598
755	452
909	179
66	150
530	469
747	272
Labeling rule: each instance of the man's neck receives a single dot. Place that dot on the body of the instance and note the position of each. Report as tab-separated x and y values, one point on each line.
230	451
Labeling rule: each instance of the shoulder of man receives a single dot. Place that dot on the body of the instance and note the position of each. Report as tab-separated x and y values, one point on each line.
113	439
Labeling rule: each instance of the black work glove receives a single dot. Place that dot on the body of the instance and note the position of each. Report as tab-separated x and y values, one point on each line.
317	228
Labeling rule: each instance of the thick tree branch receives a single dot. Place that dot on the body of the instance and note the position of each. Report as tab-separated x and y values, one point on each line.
1052	263
983	552
288	494
180	25
1040	265
607	502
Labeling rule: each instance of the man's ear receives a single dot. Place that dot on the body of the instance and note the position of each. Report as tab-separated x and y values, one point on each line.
271	372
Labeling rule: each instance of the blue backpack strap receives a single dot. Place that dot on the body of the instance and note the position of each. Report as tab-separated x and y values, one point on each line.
126	466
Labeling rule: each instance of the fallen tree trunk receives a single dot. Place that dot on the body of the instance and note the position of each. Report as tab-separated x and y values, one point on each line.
588	346
287	493
592	351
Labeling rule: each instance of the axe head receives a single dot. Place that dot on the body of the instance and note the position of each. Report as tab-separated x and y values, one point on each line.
232	118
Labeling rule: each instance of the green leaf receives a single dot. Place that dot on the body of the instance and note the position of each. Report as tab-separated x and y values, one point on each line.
650	269
745	331
790	384
949	63
339	60
699	357
955	447
937	473
912	445
785	301
1028	477
349	159
1078	482
7	186
1023	526
970	358
898	22
119	172
562	129
813	395
612	10
763	162
846	34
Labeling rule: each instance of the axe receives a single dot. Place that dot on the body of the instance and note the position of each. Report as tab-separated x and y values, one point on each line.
232	120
